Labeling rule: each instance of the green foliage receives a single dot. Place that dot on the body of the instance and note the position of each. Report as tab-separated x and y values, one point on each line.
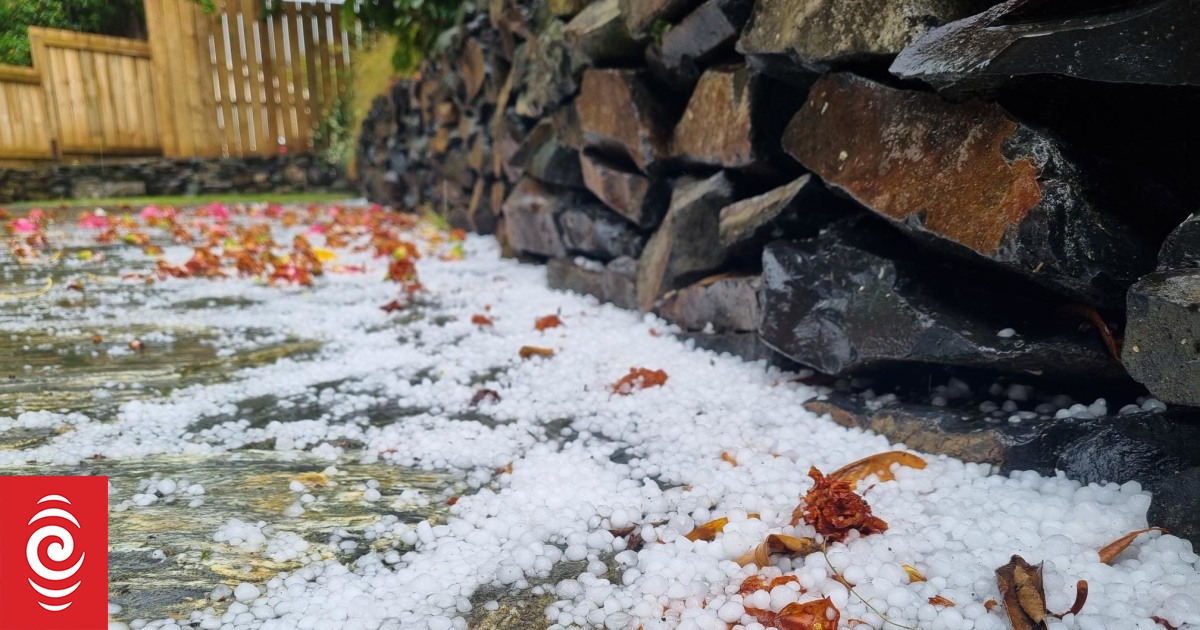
336	133
110	17
416	24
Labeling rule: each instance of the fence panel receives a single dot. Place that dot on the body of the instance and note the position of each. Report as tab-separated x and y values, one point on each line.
92	86
25	132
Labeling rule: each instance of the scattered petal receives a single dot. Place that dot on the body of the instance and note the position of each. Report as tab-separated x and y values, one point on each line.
639	378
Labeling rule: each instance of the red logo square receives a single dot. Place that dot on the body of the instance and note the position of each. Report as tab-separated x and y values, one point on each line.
53	553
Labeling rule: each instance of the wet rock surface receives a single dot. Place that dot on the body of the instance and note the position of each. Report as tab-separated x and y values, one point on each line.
544	157
816	34
641	15
1181	250
685	246
1162	336
530	219
1119	42
567	274
798	209
724	303
553	72
599	33
638	198
836	306
590	229
620	114
969	178
705	35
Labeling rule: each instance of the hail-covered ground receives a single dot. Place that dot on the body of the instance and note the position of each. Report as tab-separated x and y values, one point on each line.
558	493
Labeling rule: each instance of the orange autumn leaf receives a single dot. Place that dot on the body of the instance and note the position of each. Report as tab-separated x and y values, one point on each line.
1114	548
391	307
528	352
708	531
725	456
990	604
549	321
639	378
835	510
481	320
938	600
777	543
819	614
756	583
879	464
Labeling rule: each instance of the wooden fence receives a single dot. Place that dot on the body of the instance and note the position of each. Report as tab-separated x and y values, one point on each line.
233	83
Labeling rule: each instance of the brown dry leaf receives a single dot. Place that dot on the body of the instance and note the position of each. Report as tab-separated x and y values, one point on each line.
1081	593
1024	596
1163	622
879	464
549	321
756	583
990	604
528	352
1114	548
820	614
938	600
485	394
913	574
481	320
708	531
835	510
725	456
777	543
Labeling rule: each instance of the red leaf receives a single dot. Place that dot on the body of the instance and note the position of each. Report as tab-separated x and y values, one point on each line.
639	378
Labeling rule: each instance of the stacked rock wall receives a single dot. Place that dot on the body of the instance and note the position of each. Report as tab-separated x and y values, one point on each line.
131	177
848	185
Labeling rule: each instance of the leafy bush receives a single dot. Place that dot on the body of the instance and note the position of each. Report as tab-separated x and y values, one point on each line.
110	17
416	24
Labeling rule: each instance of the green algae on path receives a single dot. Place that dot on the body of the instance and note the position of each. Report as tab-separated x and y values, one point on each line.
163	559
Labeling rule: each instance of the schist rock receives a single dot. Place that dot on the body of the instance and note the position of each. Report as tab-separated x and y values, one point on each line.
551	72
1162	335
542	156
734	119
837	306
530	221
1181	250
641	15
583	277
968	178
685	246
817	33
599	33
638	198
1146	41
620	282
590	229
726	302
796	210
620	114
704	36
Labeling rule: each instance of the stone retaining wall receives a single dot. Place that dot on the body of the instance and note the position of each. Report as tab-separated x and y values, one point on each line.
131	177
920	187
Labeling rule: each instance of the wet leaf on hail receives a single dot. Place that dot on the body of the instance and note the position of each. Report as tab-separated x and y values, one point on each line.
392	306
639	378
756	583
913	574
481	320
879	465
528	352
818	614
778	543
726	457
1023	593
485	394
835	510
549	321
938	600
1114	548
708	531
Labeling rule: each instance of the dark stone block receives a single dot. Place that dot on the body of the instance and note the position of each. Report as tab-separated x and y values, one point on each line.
590	229
1162	335
1181	250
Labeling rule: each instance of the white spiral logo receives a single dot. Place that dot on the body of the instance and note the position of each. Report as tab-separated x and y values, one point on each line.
59	551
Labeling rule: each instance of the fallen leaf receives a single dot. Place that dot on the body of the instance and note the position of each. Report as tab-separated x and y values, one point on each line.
1081	593
707	531
938	600
913	574
507	470
639	378
452	500
819	614
777	543
837	577
549	321
1024	596
990	604
725	456
835	510
481	320
392	306
137	346
96	338
1114	548
756	583
528	352
485	394
1163	622
879	465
